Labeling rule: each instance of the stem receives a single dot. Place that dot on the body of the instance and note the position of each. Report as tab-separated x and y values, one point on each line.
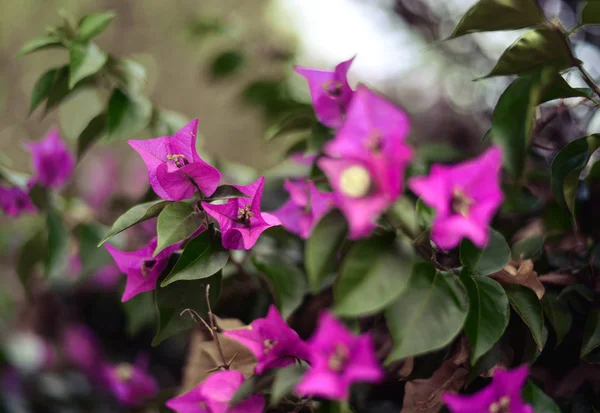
215	335
588	80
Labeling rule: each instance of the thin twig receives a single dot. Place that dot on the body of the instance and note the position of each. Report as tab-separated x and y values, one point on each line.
211	320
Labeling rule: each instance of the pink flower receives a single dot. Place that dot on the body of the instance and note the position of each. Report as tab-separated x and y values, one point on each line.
14	201
141	268
330	92
240	219
174	167
338	359
465	196
306	206
53	163
303	158
214	394
83	349
131	384
106	277
97	179
502	395
272	341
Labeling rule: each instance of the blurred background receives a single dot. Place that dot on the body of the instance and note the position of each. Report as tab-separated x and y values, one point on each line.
229	63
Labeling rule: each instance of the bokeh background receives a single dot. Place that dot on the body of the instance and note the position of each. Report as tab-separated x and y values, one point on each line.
205	58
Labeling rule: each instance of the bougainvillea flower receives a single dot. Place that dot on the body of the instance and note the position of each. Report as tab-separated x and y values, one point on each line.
214	394
503	394
330	92
131	384
338	359
374	127
272	341
465	197
175	169
14	201
53	163
97	179
303	158
305	208
240	219
141	268
363	189
106	277
82	348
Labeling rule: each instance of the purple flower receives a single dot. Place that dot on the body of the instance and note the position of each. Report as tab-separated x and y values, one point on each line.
130	384
330	92
174	167
272	341
338	358
83	349
14	201
214	394
106	278
465	196
240	219
97	179
53	163
306	206
303	158
141	268
503	394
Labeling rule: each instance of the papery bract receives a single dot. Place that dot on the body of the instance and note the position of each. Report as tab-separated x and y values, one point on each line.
338	359
141	268
131	384
272	341
330	92
306	206
214	394
53	163
503	394
175	169
465	197
240	219
15	201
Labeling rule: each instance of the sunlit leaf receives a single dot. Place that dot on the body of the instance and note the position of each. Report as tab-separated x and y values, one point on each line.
176	222
227	192
39	43
93	24
127	115
86	59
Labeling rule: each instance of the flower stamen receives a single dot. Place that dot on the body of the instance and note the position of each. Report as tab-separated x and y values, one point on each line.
461	203
355	181
244	215
333	88
178	159
269	344
124	372
338	359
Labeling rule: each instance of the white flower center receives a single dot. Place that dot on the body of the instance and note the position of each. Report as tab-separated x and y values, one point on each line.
355	181
124	372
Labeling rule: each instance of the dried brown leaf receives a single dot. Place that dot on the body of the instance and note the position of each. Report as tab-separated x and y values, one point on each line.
521	272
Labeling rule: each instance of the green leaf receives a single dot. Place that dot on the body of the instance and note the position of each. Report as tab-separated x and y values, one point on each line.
577	289
428	314
591	337
491	259
132	76
494	15
42	88
289	283
92	257
226	192
127	115
533	51
176	222
590	13
286	379
60	90
202	257
540	402
93	24
560	89
167	122
58	246
135	215
140	313
424	214
322	247
227	63
32	253
374	273
529	248
567	166
40	196
402	214
489	313
39	43
558	314
173	299
86	60
91	134
524	301
289	124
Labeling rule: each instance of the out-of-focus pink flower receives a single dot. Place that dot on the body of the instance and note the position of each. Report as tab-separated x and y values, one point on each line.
303	158
306	206
338	359
131	384
106	277
272	341
175	169
330	92
465	197
15	201
214	394
53	163
141	268
503	394
240	219
98	179
82	348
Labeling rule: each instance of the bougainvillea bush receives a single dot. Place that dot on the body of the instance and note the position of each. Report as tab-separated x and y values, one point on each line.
386	281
